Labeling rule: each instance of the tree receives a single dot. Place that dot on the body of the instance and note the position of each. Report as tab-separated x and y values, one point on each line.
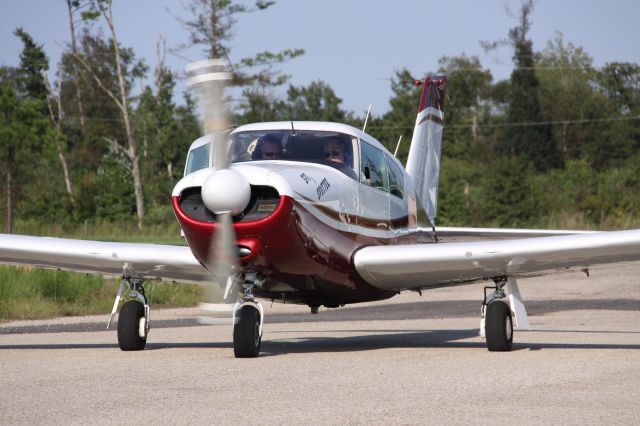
33	62
211	27
620	83
401	117
120	97
467	106
166	130
567	79
506	196
317	101
74	6
527	134
21	124
33	83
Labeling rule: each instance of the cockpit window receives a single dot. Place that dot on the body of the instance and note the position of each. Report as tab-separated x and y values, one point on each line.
373	168
328	148
198	159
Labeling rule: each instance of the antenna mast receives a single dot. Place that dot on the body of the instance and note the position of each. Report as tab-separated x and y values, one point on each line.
395	153
366	118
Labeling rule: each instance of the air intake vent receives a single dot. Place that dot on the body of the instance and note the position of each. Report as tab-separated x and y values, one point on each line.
264	201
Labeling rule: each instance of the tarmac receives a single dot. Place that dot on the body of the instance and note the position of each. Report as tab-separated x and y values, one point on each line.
410	360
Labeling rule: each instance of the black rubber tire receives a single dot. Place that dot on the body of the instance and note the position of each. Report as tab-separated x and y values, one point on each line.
128	327
246	333
498	326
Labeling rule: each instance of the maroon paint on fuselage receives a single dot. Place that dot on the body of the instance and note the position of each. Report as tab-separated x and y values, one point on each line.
293	247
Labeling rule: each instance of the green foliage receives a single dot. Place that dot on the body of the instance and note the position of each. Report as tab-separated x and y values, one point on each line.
314	102
114	198
33	63
507	196
400	119
534	142
456	201
211	27
468	87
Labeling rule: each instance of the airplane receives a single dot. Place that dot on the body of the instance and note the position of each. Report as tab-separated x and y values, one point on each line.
320	214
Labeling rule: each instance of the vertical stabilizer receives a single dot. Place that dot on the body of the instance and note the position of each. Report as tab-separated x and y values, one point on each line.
423	164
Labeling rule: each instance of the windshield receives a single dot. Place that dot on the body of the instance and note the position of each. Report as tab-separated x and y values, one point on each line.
198	159
328	148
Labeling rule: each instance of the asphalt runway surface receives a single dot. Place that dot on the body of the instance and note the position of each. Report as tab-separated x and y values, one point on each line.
408	360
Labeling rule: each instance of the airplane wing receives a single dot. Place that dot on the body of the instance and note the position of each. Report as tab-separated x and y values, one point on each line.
402	267
459	233
153	261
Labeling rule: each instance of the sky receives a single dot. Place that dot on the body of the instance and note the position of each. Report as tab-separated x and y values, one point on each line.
353	45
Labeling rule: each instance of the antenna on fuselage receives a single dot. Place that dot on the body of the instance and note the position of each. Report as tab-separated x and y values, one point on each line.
293	130
395	153
366	118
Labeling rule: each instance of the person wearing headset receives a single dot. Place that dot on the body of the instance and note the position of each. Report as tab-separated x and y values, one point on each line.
334	151
267	148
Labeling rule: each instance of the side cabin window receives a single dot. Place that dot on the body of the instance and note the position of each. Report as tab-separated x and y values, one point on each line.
373	170
197	159
332	149
396	178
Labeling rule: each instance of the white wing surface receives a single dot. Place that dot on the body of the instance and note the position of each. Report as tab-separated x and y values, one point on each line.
154	261
453	233
429	265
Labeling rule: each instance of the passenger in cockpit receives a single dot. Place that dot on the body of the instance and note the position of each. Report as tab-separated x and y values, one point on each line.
335	152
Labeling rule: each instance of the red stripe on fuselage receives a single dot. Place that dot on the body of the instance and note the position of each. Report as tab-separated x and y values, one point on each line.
294	247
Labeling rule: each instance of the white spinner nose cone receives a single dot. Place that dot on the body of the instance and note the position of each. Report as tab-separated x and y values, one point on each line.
226	191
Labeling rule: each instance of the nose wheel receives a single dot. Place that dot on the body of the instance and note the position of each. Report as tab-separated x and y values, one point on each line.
247	333
248	318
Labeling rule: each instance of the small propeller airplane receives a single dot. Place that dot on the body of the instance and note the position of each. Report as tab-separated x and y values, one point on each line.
319	214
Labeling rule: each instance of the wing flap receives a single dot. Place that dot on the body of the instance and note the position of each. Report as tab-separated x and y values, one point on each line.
154	261
453	233
428	265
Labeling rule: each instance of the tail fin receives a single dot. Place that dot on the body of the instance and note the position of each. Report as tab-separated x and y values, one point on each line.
423	164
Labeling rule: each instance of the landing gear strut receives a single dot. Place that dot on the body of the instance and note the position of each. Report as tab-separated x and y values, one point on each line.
497	324
133	321
248	318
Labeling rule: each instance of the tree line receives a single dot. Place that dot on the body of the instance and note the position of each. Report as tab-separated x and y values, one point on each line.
556	144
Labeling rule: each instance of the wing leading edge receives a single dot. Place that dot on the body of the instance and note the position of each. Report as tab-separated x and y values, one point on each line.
429	265
154	261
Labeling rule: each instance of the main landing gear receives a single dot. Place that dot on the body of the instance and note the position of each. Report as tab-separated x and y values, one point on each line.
133	321
248	317
496	324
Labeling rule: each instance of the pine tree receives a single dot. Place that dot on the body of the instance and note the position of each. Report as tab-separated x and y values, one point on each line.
534	141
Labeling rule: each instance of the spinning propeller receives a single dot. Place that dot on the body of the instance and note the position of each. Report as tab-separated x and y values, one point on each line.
225	192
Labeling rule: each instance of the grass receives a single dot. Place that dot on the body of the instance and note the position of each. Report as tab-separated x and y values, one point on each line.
29	293
579	221
104	231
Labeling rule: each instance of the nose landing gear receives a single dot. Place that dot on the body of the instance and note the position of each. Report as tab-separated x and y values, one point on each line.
248	318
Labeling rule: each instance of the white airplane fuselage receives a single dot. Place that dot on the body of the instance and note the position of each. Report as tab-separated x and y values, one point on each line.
306	219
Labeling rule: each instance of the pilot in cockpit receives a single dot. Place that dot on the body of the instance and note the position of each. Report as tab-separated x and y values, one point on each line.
267	148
